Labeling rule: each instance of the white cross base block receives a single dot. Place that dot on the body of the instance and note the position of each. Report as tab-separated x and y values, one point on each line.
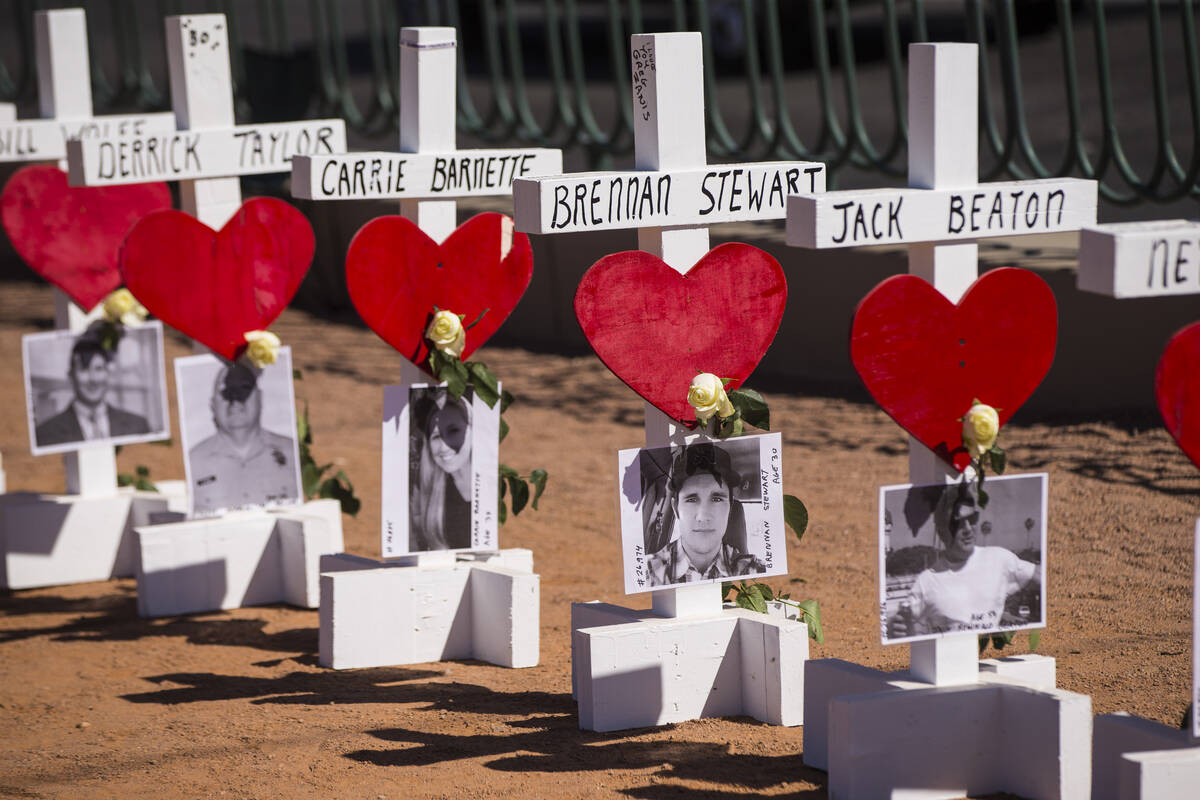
454	605
632	669
1138	759
51	540
1010	730
245	558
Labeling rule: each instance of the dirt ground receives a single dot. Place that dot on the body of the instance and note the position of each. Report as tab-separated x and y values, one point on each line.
98	703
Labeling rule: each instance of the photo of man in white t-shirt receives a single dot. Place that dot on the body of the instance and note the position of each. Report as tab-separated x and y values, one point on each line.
966	585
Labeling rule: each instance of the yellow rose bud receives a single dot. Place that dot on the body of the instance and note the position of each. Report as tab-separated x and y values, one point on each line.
121	306
262	348
445	332
980	426
707	396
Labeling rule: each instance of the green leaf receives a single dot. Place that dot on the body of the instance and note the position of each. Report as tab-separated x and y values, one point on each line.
726	588
502	512
339	488
767	593
506	400
998	459
753	407
484	382
124	479
538	477
983	498
508	472
310	477
454	374
812	615
732	426
297	375
503	429
142	471
144	485
1035	638
795	514
757	601
520	494
303	428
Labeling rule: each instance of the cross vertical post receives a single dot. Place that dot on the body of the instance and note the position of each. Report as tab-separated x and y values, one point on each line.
202	98
428	82
668	131
943	152
65	93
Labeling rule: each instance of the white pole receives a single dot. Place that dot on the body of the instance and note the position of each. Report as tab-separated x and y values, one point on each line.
428	82
943	102
65	93
669	134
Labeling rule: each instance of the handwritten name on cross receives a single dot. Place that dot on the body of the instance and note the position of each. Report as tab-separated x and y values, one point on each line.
428	166
207	144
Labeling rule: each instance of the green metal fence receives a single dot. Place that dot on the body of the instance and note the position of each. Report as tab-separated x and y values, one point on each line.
555	73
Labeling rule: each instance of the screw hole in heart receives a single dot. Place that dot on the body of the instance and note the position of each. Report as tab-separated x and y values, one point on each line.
439	265
962	341
962	363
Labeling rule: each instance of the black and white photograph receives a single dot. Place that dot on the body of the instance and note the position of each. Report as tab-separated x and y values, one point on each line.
238	429
702	512
947	564
441	460
79	392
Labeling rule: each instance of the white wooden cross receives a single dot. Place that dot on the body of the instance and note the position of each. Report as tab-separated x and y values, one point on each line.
65	104
940	217
428	171
208	151
671	198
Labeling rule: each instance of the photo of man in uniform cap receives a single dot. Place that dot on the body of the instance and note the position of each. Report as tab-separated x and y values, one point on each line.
242	464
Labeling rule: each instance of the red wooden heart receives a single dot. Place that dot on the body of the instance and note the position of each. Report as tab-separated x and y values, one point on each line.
71	236
397	274
655	328
925	359
215	286
1177	388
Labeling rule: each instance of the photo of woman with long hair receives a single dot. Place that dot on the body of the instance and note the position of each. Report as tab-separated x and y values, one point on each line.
440	470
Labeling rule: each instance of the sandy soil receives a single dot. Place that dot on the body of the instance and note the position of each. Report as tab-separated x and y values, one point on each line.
95	702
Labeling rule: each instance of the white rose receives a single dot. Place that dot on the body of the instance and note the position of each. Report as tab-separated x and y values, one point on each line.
445	332
707	396
121	306
980	426
262	348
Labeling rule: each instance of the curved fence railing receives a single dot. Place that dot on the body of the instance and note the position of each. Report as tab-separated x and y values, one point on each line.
810	79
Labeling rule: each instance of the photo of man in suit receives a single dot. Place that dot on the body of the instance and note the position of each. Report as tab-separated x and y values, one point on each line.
89	416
